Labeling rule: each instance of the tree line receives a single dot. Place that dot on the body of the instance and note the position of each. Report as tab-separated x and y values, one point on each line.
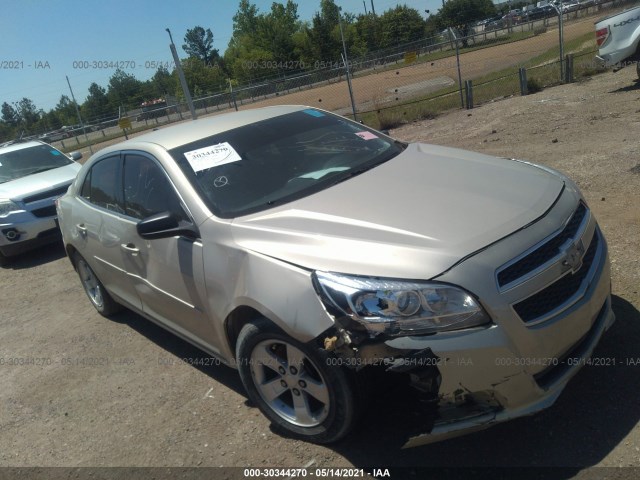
263	44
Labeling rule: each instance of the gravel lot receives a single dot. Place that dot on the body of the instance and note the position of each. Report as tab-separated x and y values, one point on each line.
95	392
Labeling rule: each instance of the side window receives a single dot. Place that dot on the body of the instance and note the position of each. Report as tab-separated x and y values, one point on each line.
147	190
85	191
102	185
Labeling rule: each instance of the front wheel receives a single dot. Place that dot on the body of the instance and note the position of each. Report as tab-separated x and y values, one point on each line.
93	287
294	384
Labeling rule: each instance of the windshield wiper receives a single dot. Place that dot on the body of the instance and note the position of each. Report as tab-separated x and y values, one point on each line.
353	173
358	171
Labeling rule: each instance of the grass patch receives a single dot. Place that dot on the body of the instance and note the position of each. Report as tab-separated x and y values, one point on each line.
388	120
396	116
533	86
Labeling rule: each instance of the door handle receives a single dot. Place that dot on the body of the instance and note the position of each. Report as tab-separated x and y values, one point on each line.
82	229
130	248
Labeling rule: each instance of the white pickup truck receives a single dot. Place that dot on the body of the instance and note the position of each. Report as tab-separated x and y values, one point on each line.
618	38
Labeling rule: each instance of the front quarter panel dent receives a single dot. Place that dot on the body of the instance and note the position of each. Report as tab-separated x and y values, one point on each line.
260	284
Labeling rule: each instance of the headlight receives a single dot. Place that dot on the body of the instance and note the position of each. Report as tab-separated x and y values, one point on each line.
396	307
7	206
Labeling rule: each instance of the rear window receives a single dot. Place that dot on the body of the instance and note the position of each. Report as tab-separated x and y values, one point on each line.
275	161
27	161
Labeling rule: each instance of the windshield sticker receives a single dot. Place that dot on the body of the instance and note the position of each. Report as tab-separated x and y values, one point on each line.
313	113
54	152
213	156
366	135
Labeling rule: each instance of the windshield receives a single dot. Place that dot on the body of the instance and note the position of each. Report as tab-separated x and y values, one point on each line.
27	161
268	163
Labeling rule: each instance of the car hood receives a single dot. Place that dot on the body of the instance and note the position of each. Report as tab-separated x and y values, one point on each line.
412	217
40	182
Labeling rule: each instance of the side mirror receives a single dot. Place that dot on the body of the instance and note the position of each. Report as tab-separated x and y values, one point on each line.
165	225
75	156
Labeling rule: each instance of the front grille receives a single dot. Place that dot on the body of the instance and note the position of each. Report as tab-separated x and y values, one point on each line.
56	192
545	252
559	292
49	211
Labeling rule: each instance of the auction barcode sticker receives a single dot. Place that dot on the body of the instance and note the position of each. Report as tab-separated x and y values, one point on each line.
213	156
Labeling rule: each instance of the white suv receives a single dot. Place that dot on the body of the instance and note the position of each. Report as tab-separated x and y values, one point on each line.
32	175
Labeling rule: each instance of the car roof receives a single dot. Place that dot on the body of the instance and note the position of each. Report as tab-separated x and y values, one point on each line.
10	146
191	131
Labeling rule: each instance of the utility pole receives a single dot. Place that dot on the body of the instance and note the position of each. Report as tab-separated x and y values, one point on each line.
183	81
561	40
345	59
75	104
365	6
455	37
373	9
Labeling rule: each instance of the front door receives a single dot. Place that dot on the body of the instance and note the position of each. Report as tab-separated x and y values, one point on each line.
167	273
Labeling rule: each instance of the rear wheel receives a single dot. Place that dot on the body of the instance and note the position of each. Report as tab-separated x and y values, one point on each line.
93	287
638	69
294	384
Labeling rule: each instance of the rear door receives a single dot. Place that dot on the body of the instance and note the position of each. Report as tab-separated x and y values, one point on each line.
167	273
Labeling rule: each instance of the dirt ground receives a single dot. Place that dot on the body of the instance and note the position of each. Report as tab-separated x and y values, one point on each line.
91	392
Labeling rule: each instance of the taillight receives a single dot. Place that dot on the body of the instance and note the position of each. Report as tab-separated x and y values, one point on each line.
602	35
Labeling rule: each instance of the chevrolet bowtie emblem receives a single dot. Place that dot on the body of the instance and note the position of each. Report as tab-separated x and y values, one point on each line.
573	257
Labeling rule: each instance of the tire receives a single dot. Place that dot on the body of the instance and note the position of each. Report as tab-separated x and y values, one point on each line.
93	287
638	69
4	260
294	384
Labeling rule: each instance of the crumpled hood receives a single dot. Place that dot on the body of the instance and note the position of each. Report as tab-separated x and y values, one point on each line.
39	182
411	217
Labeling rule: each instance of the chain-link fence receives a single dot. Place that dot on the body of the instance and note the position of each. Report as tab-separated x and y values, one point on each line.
405	82
522	58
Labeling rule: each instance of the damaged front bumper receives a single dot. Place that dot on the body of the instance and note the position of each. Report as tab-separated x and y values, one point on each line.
474	380
515	366
509	391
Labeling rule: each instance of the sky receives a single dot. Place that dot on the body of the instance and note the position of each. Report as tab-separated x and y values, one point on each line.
42	41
